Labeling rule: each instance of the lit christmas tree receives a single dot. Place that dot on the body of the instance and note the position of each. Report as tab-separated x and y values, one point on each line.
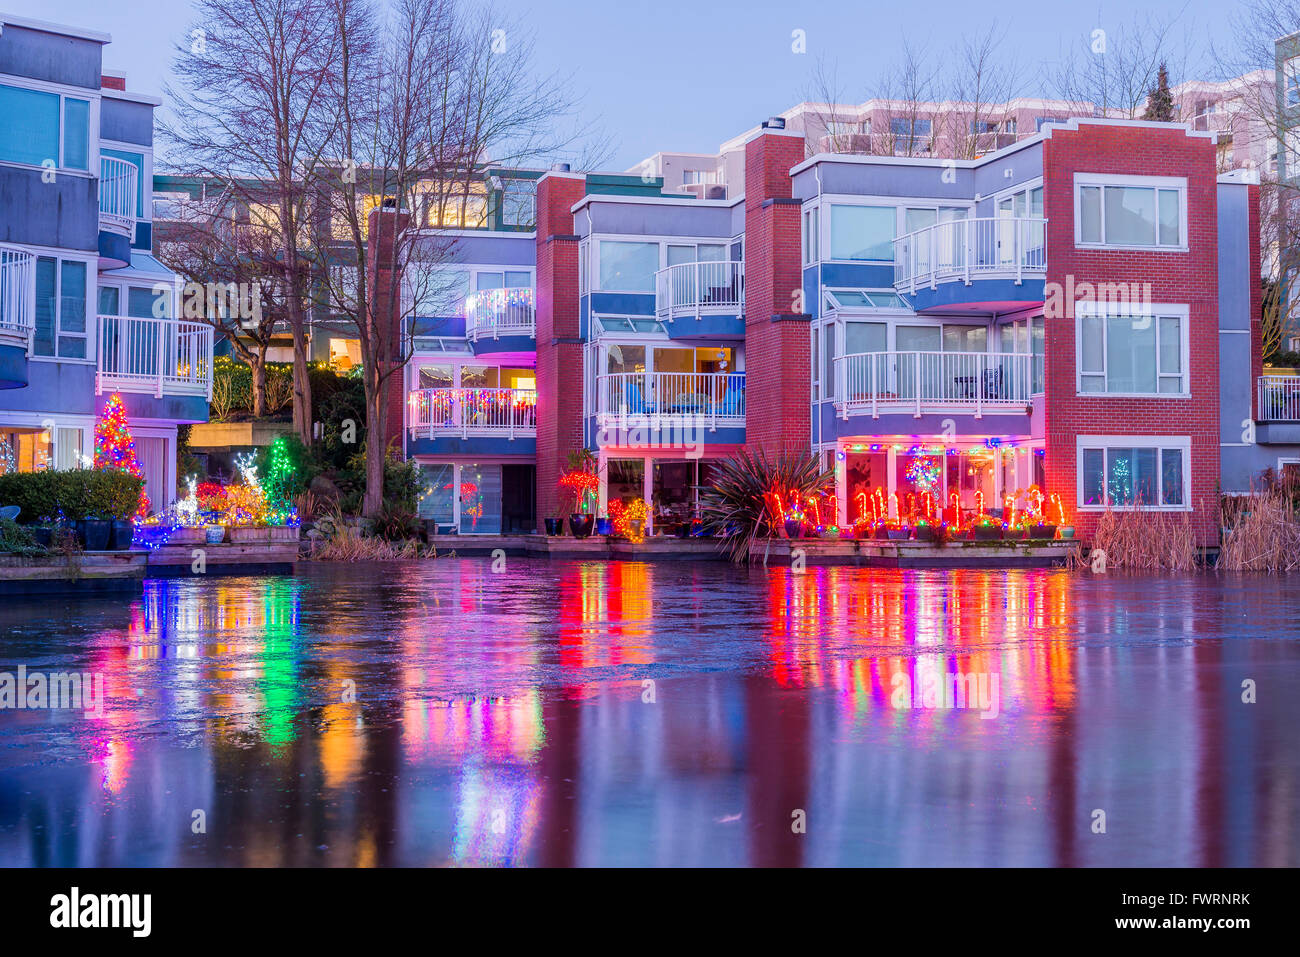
115	449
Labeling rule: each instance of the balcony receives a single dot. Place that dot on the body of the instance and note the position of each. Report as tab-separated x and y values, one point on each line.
1279	398
671	399
869	383
501	413
500	313
695	290
994	256
17	296
155	357
118	196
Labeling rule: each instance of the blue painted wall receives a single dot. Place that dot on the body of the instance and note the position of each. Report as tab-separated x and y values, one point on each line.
1241	461
63	214
44	56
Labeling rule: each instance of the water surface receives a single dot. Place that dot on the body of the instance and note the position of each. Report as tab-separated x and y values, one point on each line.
559	713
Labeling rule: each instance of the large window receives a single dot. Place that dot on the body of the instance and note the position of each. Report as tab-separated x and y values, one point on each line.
60	308
41	127
519	203
863	233
1132	355
1147	472
628	267
1151	212
1291	76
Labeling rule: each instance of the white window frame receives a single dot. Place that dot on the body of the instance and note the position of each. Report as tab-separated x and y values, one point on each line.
1183	443
1157	311
1102	180
64	92
91	262
52	422
811	234
640	240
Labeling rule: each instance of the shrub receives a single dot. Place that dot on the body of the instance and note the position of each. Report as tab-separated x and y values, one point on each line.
48	496
16	540
737	504
1264	528
1145	540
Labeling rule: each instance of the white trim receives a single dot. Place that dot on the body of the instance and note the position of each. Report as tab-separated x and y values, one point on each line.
1105	443
684	200
57	29
63	91
1154	183
1156	311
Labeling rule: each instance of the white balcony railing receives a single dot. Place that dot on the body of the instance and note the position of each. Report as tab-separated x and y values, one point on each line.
1279	398
919	382
699	289
119	186
493	313
17	295
671	398
968	249
153	356
511	413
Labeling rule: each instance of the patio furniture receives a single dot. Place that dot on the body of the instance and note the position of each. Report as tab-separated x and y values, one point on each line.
635	399
10	513
993	383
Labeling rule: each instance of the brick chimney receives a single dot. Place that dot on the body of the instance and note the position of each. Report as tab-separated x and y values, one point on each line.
777	352
382	268
112	81
559	343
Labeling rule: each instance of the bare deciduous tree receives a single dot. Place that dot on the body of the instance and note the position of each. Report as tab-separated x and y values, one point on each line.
251	106
424	102
1115	67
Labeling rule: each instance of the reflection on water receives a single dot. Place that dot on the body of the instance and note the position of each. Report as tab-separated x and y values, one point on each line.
620	713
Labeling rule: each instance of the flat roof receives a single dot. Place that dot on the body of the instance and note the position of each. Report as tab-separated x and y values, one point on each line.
57	29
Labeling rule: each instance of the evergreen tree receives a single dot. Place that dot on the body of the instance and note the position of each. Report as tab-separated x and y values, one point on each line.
1160	102
115	449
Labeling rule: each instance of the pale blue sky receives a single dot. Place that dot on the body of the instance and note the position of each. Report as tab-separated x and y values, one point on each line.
687	74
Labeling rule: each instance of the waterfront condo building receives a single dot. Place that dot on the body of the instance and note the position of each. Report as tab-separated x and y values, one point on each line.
85	309
1076	313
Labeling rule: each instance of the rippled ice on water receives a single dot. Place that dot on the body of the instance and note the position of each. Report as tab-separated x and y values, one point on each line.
678	713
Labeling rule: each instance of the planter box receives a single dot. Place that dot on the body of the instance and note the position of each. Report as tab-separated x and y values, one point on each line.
188	535
243	534
284	533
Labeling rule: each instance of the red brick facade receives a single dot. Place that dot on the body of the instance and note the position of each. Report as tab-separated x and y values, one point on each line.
1189	278
559	347
777	343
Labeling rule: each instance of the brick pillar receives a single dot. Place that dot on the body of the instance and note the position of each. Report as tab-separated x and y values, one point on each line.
383	275
559	344
777	359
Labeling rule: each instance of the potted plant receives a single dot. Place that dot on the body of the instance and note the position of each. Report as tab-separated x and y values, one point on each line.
923	532
794	528
899	533
1065	532
1042	531
604	525
94	532
123	532
214	534
581	482
986	530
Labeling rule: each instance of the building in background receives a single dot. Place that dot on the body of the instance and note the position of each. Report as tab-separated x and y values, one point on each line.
85	309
